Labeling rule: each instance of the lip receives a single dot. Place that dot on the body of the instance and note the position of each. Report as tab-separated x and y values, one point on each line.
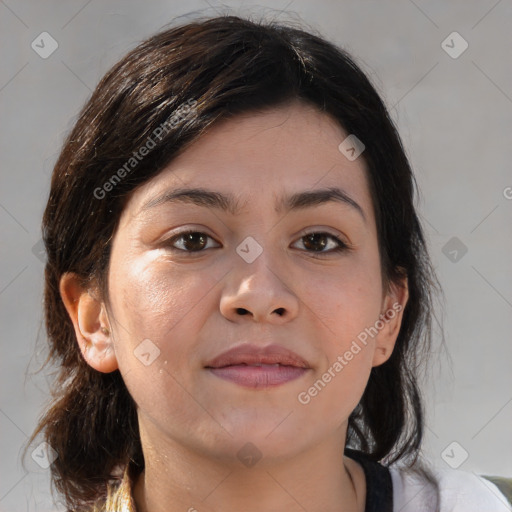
258	367
252	355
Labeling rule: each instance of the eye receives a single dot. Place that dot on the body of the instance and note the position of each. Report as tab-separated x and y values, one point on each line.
317	241
189	241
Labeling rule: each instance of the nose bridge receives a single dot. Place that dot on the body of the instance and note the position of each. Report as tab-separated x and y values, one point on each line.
258	267
258	284
261	273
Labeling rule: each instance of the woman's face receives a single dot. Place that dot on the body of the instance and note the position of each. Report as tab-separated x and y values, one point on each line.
251	277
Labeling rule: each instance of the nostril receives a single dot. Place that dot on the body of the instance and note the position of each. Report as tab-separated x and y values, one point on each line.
243	311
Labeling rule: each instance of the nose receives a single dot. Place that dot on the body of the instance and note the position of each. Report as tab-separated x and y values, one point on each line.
259	292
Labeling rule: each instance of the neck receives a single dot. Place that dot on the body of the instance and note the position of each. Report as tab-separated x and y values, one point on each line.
179	479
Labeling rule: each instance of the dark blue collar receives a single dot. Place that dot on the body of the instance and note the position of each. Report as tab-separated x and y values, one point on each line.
379	486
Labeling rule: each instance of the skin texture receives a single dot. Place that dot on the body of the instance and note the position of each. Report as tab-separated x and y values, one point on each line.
193	423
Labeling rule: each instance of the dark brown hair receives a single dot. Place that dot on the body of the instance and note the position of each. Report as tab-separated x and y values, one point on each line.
228	65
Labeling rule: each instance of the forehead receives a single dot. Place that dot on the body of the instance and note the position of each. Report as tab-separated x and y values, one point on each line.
259	158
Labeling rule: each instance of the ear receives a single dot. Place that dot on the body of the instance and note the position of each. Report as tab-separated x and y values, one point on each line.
393	306
92	327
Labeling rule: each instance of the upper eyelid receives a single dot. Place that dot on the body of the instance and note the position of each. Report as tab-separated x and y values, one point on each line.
302	232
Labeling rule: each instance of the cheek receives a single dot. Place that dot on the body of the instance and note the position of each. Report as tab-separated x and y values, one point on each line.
339	383
345	301
346	305
152	298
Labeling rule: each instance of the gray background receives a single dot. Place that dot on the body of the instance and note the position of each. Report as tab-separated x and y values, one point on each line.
455	118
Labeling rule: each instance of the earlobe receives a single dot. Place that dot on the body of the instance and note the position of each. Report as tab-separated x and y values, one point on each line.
391	316
90	321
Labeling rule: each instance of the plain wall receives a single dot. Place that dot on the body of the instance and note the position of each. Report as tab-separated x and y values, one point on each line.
455	119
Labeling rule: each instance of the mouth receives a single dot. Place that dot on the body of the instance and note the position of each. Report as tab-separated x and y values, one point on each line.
258	367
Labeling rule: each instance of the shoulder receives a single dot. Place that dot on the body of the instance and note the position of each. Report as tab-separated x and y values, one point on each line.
119	496
459	491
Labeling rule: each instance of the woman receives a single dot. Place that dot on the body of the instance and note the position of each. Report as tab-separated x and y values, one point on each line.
238	290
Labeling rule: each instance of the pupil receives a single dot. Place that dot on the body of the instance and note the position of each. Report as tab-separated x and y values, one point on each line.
314	237
189	241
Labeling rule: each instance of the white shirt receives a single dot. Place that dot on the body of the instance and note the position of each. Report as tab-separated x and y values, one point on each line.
460	491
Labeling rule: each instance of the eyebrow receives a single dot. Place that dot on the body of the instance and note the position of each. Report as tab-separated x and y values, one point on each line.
229	203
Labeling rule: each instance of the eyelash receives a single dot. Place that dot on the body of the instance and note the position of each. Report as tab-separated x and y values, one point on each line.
341	246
